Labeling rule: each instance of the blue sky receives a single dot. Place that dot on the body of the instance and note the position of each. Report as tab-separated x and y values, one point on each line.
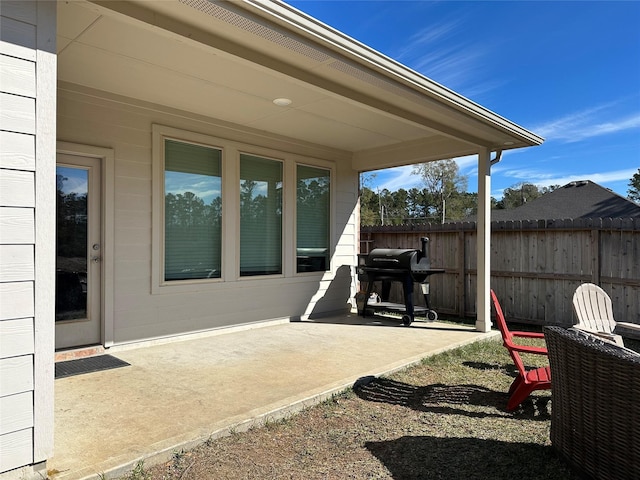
568	71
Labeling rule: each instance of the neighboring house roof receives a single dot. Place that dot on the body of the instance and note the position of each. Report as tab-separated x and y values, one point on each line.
583	199
230	60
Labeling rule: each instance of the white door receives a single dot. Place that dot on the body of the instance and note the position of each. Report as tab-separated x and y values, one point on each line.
78	251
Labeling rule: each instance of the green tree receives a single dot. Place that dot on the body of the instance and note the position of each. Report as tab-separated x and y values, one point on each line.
417	204
366	180
396	207
369	201
462	205
384	202
184	209
521	193
369	207
71	221
548	189
442	179
518	194
633	193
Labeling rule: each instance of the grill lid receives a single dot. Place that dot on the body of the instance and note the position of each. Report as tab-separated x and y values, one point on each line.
391	258
396	263
397	259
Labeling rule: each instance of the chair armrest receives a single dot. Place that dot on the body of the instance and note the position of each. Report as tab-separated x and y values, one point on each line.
606	336
628	330
530	349
630	326
528	334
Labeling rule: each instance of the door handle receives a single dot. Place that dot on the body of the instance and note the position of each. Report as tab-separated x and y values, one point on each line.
96	259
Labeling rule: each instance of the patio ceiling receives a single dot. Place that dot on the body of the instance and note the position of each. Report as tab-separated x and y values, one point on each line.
231	60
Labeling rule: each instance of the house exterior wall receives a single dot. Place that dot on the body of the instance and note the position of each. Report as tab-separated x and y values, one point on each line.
142	308
27	243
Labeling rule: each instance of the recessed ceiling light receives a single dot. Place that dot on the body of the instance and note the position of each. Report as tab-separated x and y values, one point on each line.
282	102
509	143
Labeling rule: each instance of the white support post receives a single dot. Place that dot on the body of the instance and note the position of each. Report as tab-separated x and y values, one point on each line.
483	307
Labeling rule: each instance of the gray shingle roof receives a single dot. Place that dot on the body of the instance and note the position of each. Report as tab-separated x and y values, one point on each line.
583	199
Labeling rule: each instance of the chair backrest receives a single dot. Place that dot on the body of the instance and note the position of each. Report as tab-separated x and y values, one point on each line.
507	336
593	308
595	416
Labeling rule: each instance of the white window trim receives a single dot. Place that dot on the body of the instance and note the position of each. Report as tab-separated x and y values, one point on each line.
231	151
159	134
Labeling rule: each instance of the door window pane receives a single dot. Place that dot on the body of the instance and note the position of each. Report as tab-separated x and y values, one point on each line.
260	216
71	243
193	211
312	219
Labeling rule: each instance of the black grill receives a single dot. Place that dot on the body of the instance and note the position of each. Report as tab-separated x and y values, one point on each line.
407	266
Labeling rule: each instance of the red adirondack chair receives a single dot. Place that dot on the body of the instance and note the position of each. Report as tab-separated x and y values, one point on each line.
527	380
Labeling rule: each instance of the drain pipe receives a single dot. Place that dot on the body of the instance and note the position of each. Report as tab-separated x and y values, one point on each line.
497	159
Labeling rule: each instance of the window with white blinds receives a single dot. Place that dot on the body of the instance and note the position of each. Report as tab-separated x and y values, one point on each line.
312	218
260	216
192	211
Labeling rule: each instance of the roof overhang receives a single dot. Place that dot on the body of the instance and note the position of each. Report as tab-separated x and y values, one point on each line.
230	60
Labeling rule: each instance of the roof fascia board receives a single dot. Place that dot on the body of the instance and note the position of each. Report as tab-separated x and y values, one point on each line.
371	58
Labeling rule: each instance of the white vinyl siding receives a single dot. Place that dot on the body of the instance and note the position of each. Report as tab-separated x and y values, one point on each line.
17	239
27	132
16	337
146	306
17	262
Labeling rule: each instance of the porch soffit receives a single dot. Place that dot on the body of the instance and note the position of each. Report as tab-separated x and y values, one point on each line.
219	60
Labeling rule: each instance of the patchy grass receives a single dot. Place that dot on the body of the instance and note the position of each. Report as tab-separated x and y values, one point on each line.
442	419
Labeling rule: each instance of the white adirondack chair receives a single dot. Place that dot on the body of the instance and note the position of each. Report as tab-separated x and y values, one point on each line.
594	314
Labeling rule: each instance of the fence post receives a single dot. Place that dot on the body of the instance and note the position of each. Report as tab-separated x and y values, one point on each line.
597	260
460	283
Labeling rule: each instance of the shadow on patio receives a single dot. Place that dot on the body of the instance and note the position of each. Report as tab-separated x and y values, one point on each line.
177	394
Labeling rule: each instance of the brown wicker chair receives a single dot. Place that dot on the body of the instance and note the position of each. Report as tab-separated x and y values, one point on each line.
595	410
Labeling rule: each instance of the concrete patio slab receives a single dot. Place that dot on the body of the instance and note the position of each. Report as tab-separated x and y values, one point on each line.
178	394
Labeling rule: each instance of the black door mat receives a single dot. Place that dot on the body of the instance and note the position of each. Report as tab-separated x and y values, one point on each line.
87	365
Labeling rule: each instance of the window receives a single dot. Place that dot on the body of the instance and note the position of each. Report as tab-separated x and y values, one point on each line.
192	211
260	216
312	219
222	212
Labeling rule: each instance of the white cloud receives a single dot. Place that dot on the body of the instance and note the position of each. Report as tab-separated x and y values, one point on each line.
397	178
429	35
206	188
74	180
466	163
546	179
600	178
459	65
401	177
586	124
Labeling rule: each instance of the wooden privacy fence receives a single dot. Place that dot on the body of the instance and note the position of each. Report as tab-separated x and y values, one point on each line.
535	265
